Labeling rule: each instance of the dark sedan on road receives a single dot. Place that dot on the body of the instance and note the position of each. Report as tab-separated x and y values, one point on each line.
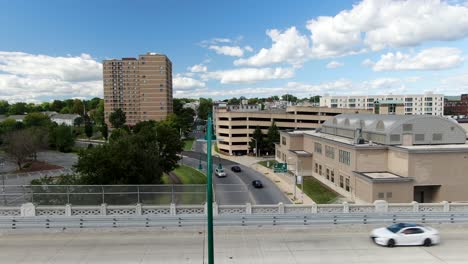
257	184
236	169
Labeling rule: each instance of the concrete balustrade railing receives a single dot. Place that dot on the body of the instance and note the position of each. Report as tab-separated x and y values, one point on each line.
31	210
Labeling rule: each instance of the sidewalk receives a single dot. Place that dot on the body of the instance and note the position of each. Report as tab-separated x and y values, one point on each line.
285	182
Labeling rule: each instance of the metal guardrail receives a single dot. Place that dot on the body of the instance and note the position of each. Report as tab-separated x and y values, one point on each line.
232	220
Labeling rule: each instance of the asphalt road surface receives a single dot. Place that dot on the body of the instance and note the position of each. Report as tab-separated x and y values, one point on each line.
236	187
233	245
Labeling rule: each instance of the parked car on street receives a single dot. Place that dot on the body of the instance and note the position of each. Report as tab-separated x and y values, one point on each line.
404	234
219	172
257	184
236	168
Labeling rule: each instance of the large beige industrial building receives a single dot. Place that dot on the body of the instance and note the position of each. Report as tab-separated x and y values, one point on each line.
368	157
235	126
141	87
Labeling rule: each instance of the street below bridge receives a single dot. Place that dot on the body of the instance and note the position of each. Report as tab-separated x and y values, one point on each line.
236	187
256	245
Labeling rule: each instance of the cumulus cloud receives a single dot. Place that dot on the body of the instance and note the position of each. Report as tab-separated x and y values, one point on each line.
453	85
234	51
33	77
198	68
249	75
334	65
248	48
288	46
369	25
428	59
182	83
338	87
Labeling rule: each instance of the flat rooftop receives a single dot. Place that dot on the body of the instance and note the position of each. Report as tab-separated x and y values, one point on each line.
381	175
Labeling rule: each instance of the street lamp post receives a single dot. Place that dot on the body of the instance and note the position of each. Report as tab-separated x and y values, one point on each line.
209	193
256	148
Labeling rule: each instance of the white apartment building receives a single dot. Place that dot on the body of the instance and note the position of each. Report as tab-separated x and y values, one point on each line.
414	104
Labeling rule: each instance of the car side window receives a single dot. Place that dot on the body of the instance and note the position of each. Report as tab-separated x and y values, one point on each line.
412	231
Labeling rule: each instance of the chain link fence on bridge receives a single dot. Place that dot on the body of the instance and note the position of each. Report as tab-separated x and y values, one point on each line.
100	194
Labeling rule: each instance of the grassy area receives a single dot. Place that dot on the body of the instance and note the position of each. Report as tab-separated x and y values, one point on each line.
188	143
264	163
190	175
317	191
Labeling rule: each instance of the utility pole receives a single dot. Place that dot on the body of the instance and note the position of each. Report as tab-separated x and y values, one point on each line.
209	192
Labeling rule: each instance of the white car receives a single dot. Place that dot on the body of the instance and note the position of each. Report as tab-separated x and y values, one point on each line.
220	172
404	234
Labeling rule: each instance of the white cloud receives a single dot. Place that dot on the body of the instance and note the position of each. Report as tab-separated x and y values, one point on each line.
248	48
249	75
367	63
338	87
385	23
234	51
182	83
334	65
32	78
453	85
428	59
369	25
198	68
288	46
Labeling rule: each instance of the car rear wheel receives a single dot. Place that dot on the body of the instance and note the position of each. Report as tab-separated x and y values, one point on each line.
391	243
427	242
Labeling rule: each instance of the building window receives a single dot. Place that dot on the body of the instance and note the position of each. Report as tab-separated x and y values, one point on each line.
316	167
395	137
407	127
381	195
341	181
437	137
419	137
345	157
347	185
283	140
328	174
278	154
329	152
318	147
389	195
320	170
332	176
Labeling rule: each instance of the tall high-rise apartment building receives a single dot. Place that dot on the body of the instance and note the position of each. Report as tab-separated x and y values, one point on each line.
141	87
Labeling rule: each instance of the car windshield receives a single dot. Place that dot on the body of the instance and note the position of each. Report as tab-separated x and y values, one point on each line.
220	170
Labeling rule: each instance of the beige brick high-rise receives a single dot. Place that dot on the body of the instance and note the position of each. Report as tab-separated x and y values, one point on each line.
141	87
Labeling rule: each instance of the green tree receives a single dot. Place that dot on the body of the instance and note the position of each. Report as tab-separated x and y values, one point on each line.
17	109
78	121
78	107
4	107
105	131
169	145
57	106
117	118
88	130
143	124
117	134
97	114
257	140
205	107
234	101
65	110
289	98
64	140
273	136
39	137
36	120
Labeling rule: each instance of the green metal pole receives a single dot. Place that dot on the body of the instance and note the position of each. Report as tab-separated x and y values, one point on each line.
209	192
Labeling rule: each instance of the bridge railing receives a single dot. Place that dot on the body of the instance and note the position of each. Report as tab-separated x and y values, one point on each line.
139	209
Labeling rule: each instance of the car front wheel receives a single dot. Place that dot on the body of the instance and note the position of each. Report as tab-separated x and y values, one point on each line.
391	243
427	242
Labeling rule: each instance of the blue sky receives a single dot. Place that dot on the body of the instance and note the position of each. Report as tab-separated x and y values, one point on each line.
221	49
